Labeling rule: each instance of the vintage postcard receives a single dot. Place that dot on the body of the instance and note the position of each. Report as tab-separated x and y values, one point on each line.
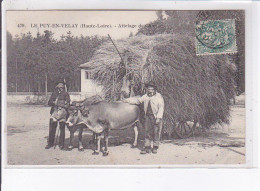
125	87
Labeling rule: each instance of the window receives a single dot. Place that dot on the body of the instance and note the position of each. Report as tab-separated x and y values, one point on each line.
87	75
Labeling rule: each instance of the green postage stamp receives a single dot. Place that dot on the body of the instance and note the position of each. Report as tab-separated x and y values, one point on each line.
215	37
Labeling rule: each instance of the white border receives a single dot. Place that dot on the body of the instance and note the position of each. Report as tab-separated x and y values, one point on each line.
248	86
32	179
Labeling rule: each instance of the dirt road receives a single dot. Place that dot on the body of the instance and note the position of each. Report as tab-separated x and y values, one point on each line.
27	133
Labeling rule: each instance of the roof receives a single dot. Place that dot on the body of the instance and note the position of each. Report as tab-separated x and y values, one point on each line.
84	66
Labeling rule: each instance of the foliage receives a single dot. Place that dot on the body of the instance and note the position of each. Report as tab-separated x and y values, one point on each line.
184	22
36	62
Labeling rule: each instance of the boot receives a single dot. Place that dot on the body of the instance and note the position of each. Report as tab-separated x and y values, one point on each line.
146	150
48	146
154	150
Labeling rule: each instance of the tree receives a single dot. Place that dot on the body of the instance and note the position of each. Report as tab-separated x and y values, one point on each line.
184	22
36	63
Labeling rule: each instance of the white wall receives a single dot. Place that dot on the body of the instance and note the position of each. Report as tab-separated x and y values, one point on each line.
89	87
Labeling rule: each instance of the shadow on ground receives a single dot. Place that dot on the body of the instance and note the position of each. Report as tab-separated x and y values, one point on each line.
116	138
14	130
208	139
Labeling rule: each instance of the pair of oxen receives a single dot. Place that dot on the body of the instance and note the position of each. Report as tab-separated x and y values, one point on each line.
100	117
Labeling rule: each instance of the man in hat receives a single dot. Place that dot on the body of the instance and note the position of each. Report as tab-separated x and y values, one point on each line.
154	108
59	102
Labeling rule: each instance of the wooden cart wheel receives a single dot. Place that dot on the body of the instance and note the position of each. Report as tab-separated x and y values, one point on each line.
185	129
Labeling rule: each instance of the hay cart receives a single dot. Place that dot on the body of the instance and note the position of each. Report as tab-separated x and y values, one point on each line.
196	89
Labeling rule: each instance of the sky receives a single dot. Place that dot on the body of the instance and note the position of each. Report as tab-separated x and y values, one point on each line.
119	24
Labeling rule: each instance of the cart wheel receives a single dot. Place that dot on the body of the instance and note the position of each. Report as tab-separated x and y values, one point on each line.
184	129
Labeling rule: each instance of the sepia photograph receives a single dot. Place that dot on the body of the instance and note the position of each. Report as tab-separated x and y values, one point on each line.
125	87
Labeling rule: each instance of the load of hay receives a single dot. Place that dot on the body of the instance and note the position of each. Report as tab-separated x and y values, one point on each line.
194	87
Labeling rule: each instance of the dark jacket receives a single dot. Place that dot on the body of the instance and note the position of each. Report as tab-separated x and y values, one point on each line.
63	100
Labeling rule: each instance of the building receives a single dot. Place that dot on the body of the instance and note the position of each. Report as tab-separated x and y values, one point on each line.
88	86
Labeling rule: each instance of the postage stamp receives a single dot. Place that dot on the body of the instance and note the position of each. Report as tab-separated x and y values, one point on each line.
216	37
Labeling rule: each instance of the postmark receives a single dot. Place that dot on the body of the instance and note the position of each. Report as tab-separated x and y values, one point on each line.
215	37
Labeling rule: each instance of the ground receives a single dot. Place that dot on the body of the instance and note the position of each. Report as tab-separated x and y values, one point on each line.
27	133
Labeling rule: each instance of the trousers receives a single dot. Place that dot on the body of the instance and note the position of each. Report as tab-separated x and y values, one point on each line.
152	131
52	131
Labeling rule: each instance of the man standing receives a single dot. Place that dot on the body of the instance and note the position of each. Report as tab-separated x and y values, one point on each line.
154	108
59	102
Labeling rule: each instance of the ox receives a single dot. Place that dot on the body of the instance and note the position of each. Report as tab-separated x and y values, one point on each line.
101	117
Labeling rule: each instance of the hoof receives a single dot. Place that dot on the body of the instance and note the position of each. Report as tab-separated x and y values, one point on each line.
62	148
154	151
80	149
70	148
134	146
95	153
105	153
